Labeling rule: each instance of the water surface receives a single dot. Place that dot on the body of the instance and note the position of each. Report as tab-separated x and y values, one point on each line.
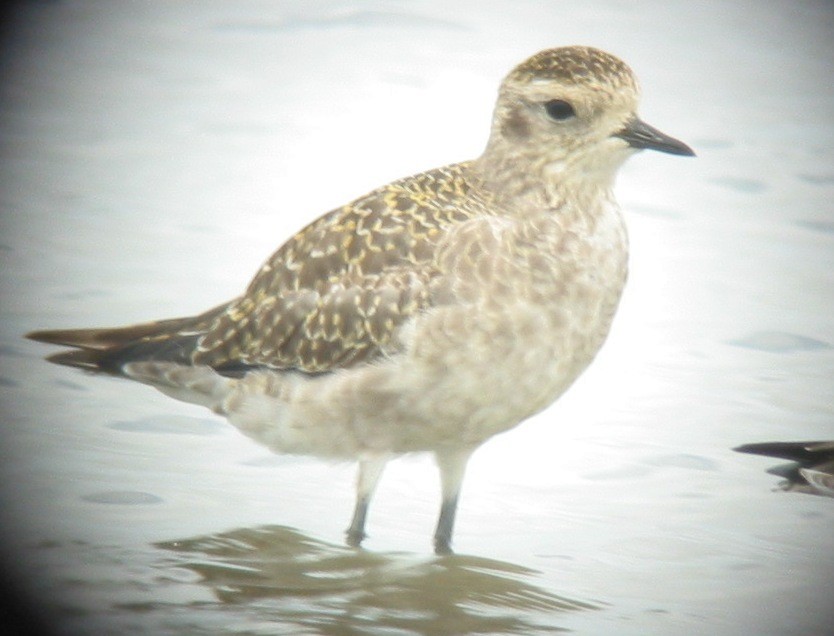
154	154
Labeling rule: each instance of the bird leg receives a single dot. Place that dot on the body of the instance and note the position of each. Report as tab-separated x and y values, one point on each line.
370	470
452	464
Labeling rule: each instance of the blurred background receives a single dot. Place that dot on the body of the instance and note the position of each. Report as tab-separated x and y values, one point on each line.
154	154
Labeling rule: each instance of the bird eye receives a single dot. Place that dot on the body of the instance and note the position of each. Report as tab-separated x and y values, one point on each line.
559	109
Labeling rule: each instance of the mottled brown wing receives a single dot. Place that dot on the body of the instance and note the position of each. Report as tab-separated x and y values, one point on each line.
335	294
316	331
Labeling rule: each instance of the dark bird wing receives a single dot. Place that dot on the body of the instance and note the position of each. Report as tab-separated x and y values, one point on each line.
805	453
812	470
330	297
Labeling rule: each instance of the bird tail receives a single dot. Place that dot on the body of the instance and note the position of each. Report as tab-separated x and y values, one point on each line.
172	340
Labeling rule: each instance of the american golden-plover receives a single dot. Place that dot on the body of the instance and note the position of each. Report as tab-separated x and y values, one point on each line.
432	313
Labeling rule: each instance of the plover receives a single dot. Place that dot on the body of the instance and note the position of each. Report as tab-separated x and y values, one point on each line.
812	467
432	313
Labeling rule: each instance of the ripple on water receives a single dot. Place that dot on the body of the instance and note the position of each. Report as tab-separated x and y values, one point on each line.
123	498
817	179
827	227
779	342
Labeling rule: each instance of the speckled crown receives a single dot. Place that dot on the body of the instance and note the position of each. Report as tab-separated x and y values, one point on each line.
575	65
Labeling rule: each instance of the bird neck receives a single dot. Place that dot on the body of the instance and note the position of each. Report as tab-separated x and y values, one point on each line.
521	186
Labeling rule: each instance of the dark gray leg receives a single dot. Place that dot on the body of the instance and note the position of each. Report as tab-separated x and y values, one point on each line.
452	464
356	532
445	525
370	471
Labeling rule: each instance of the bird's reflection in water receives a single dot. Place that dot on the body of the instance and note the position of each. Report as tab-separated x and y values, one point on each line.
326	589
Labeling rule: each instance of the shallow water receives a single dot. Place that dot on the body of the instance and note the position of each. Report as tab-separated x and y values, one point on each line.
155	153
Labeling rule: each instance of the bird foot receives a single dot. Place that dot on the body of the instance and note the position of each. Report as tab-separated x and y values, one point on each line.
354	538
442	546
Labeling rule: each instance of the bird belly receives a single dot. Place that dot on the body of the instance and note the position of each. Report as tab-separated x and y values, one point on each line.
496	351
466	372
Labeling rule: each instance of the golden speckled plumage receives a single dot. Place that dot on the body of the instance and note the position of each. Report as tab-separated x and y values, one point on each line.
578	65
335	293
432	313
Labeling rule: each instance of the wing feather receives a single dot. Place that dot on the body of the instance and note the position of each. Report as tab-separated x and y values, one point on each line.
333	296
337	293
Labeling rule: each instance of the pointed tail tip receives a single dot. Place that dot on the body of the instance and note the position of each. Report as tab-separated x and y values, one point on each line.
87	351
42	335
85	359
82	338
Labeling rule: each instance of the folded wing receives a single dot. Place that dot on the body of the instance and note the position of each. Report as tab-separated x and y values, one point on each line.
334	295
